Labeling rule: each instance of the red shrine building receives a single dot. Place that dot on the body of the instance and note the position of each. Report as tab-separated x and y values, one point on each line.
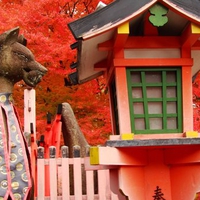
148	50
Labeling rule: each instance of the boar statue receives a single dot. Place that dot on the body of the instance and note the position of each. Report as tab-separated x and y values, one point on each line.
16	63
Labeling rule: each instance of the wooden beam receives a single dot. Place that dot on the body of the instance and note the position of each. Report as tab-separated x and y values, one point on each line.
101	66
196	45
120	40
140	42
121	35
106	46
113	156
187	110
124	118
190	36
182	155
155	62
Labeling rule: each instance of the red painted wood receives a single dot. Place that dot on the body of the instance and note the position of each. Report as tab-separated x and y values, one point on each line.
165	168
153	62
60	167
122	100
103	183
102	65
40	179
150	42
114	196
131	182
182	155
53	178
106	46
196	45
113	157
140	42
187	99
65	178
149	29
120	40
33	161
90	185
77	179
157	173
188	39
187	92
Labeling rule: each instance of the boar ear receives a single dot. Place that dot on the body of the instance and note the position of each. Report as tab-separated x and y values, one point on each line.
10	36
22	40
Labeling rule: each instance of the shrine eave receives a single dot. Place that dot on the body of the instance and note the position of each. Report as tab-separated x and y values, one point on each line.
154	142
94	31
121	11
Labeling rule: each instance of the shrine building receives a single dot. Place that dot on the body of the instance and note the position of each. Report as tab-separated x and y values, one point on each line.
148	51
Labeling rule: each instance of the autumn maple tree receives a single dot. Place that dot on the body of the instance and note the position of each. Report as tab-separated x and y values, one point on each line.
44	24
196	102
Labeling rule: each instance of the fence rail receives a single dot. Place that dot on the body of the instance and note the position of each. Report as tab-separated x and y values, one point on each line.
65	178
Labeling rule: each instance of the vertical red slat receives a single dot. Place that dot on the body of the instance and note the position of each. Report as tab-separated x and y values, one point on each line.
40	174
102	184
77	174
65	173
53	173
65	179
90	185
103	178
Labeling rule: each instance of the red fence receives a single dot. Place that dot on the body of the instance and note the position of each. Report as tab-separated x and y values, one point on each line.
54	182
62	178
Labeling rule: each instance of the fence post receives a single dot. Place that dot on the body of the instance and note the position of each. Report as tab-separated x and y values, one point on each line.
53	172
102	184
77	173
40	174
65	173
89	179
29	110
103	177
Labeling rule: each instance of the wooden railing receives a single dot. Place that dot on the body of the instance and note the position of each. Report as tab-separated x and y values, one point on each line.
62	177
54	181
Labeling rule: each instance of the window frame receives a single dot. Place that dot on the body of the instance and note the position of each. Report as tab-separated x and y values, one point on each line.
164	100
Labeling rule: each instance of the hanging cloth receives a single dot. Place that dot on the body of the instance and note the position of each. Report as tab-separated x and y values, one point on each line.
15	177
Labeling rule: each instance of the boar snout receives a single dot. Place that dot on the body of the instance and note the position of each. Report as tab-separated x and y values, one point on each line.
33	75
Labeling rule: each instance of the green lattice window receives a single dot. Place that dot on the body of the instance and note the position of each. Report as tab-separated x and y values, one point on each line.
155	100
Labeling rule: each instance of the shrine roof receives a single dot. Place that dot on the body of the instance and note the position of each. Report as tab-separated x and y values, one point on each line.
101	25
121	11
